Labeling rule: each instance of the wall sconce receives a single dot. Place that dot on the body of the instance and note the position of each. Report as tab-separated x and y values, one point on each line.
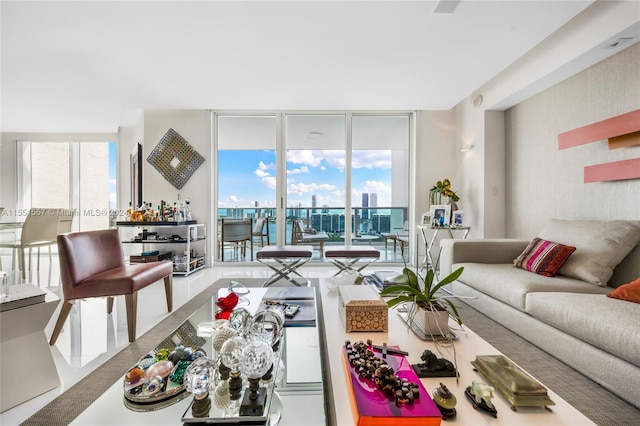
466	147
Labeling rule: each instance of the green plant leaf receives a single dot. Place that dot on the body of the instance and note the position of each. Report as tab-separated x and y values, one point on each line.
446	280
400	288
454	311
400	299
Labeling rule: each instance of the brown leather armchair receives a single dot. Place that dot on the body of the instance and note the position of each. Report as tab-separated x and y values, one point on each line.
92	265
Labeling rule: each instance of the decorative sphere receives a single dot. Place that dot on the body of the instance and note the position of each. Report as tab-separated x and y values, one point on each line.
257	357
199	375
222	336
268	326
160	368
231	352
239	319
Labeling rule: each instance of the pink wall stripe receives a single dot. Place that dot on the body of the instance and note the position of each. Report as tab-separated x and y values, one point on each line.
611	127
617	170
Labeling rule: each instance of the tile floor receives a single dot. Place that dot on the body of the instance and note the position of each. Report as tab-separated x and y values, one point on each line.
91	337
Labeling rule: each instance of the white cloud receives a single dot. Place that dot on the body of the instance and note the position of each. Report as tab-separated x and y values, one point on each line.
377	159
263	166
261	173
269	181
376	187
304	156
303	169
306	188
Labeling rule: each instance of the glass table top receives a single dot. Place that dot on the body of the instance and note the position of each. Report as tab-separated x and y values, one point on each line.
295	395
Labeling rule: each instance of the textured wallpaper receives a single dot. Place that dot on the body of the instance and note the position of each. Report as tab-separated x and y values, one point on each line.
543	182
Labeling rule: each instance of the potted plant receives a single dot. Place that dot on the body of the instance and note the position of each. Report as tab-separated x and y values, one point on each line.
441	188
430	310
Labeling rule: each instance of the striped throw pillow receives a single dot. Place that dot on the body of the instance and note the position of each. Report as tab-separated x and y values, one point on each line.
543	257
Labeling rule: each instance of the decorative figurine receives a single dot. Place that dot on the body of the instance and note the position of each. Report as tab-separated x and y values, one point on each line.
445	401
434	366
370	367
480	394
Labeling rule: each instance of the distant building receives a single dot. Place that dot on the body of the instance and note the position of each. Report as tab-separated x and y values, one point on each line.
365	205
381	223
373	202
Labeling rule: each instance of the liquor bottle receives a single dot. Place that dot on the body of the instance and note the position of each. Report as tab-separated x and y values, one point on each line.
187	209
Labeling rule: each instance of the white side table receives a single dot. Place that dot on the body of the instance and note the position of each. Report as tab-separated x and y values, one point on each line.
26	363
450	231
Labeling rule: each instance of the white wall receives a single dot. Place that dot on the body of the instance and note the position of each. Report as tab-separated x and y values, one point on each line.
435	158
494	206
194	126
544	182
7	172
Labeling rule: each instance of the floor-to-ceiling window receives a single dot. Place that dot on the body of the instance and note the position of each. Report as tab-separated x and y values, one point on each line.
380	174
346	174
316	149
69	175
246	178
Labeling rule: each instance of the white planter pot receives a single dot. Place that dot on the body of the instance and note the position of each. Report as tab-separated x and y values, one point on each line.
432	323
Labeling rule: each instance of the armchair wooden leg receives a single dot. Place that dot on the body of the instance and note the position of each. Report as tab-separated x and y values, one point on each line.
168	289
132	313
109	304
64	313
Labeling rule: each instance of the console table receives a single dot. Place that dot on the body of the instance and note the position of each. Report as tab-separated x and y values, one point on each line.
188	234
450	232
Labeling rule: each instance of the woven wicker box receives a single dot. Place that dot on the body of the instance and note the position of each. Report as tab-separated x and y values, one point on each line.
362	309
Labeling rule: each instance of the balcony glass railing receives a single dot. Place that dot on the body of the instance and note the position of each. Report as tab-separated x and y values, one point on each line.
376	226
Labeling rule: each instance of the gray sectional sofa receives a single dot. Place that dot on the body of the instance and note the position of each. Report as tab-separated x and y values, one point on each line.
569	315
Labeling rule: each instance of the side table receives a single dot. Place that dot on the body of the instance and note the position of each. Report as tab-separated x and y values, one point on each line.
26	363
450	231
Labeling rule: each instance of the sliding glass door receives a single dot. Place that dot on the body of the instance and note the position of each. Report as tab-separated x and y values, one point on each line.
315	182
345	174
246	179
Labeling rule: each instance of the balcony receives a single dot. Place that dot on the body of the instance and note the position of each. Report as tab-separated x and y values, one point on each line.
379	227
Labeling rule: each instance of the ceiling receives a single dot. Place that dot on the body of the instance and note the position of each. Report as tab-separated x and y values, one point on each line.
93	66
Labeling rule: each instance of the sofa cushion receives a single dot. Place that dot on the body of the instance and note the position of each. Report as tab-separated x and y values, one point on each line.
543	257
600	246
629	292
610	324
510	285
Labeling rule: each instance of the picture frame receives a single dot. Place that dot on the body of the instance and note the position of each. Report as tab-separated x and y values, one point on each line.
440	215
458	218
426	217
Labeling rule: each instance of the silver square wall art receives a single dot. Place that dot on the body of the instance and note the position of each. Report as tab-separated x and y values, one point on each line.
175	159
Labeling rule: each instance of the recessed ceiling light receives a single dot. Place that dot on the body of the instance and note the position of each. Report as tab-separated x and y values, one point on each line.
314	135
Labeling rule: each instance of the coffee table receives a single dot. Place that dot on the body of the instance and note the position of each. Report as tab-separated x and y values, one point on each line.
467	347
301	395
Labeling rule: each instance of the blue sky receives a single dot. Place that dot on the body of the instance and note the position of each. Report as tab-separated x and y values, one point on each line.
246	176
112	175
